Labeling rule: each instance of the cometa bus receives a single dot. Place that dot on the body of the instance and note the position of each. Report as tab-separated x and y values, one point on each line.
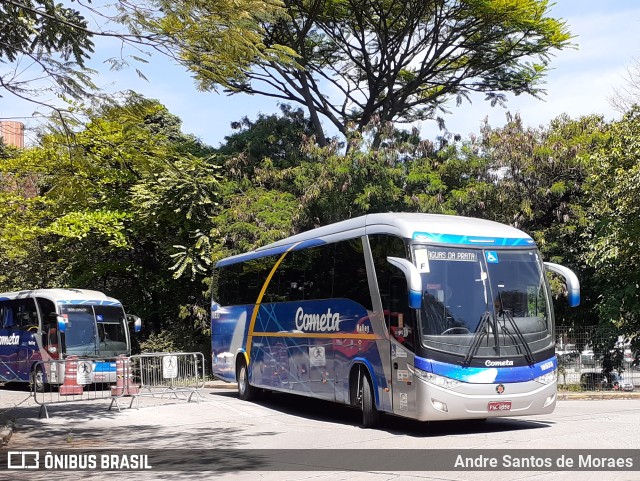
430	317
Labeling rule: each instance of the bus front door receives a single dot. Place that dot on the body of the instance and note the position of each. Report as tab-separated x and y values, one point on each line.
402	332
402	382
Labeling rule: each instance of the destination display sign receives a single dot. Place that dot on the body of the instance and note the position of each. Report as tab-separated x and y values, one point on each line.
456	255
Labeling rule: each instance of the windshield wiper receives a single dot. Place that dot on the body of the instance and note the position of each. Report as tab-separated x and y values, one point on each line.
477	338
528	355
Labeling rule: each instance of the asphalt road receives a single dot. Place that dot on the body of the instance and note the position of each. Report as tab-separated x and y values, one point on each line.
297	428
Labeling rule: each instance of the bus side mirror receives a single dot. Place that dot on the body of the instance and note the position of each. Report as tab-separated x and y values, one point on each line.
573	284
414	281
62	323
137	322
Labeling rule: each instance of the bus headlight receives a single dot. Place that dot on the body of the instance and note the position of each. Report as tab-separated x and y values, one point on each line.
431	378
548	378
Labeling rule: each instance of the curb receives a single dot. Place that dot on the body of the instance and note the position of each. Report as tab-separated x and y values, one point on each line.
220	385
595	395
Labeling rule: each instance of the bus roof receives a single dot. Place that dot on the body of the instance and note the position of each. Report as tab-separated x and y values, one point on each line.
62	295
445	229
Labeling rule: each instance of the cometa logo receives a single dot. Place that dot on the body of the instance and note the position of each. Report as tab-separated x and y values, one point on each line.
327	322
504	363
12	340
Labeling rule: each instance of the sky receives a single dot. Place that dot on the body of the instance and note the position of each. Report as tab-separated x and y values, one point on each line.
580	82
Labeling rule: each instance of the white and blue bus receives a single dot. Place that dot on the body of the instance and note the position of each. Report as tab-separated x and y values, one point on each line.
430	317
51	324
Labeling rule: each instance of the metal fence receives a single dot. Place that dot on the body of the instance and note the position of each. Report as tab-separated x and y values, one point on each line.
584	352
158	375
176	375
73	380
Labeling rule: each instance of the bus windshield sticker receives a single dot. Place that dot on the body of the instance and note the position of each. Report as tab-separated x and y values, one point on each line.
492	257
422	260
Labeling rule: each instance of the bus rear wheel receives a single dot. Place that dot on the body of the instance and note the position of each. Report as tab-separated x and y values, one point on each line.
246	391
370	414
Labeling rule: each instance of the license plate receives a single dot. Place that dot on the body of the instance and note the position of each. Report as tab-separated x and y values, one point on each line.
500	406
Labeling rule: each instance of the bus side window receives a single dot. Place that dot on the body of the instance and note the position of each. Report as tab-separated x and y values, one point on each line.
50	334
49	325
25	316
350	273
402	319
7	315
392	285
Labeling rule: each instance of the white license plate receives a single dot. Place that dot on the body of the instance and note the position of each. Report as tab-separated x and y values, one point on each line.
500	406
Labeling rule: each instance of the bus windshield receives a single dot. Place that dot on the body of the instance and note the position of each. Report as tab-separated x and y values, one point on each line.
94	330
483	303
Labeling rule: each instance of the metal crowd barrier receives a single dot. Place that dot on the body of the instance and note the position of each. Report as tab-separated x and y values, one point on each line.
168	374
85	379
72	379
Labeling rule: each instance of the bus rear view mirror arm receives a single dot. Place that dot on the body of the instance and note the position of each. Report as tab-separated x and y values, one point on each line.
573	284
414	281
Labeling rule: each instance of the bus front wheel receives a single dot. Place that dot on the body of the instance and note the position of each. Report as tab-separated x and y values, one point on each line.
37	379
370	415
246	391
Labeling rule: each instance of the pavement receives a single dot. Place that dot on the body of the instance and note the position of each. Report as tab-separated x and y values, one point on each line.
562	395
20	404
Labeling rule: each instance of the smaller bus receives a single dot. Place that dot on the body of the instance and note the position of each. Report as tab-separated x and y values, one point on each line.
53	324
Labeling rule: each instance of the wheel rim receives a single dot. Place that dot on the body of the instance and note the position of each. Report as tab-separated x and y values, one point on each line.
38	380
242	381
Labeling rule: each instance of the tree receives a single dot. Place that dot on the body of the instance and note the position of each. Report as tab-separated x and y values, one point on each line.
623	99
613	189
121	207
259	195
46	45
394	61
48	37
534	179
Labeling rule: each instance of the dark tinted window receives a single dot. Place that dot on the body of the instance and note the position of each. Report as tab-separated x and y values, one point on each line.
319	271
303	275
19	314
392	285
350	273
241	283
323	272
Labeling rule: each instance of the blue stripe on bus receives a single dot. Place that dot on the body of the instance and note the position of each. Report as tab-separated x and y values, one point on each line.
487	375
473	240
268	252
88	303
104	366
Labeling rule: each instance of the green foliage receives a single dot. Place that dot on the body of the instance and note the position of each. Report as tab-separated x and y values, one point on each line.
42	39
177	338
217	40
44	27
129	205
613	188
113	200
363	63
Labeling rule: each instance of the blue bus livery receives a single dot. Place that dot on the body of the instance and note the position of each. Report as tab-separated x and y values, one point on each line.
425	316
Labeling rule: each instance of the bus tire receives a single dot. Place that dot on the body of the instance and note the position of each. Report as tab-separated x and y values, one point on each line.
37	379
246	391
370	414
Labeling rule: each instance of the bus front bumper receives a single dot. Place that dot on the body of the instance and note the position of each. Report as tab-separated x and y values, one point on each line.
480	401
